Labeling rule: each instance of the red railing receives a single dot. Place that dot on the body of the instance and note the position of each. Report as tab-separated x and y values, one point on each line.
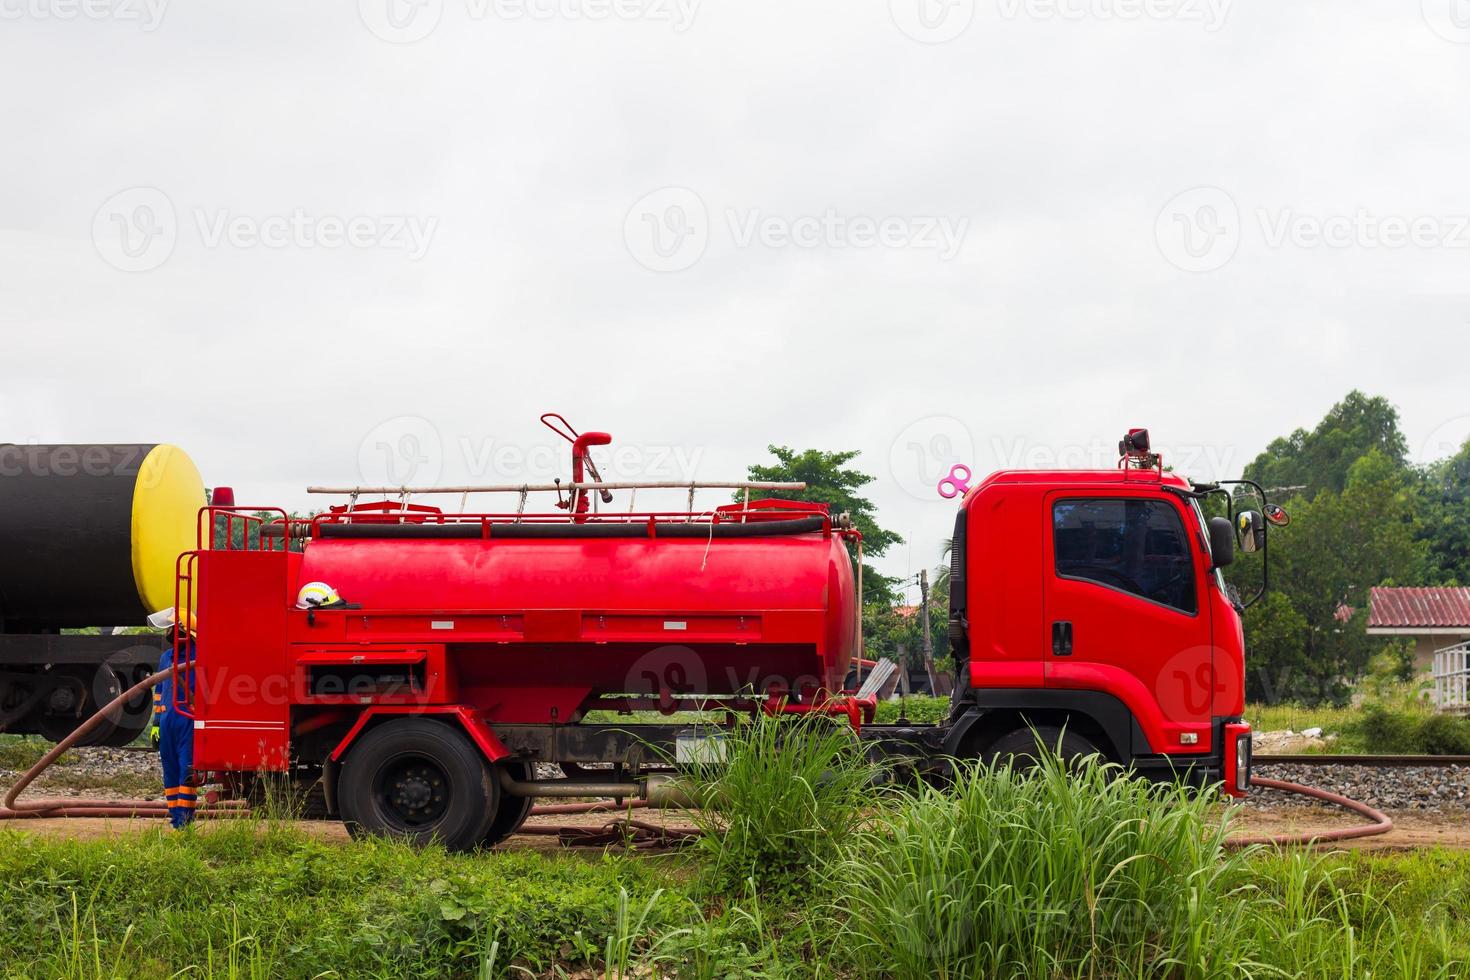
185	632
239	529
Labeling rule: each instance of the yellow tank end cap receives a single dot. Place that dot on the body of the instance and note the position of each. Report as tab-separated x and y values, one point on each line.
166	500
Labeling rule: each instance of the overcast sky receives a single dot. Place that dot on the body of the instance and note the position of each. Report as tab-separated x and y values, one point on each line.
343	242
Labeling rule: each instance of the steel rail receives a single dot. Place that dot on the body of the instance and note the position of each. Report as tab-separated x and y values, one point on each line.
1381	761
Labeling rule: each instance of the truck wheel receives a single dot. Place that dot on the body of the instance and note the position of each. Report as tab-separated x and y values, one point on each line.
1022	746
421	780
513	810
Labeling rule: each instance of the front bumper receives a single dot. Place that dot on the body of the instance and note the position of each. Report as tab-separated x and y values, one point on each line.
1227	764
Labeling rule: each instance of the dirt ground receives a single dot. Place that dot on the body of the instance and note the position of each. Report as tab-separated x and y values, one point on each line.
1411	829
95	828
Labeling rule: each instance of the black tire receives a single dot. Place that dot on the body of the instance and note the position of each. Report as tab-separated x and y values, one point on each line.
513	810
1022	747
136	713
419	780
125	734
82	683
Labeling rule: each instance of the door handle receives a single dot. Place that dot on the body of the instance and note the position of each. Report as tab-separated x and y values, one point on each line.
1061	638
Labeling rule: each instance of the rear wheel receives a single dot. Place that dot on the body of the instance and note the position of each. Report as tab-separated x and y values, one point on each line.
513	810
1024	747
421	780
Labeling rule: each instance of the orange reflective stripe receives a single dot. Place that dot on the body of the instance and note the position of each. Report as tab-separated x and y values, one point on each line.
187	804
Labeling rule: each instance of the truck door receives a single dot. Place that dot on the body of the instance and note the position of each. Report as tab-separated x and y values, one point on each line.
1125	610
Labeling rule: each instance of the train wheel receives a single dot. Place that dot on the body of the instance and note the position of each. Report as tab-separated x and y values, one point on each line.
136	712
74	700
421	780
1022	747
513	810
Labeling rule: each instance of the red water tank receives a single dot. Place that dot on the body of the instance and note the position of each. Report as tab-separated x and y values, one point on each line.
542	620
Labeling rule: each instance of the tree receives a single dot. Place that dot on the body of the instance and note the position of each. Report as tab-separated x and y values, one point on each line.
1321	459
1444	507
829	480
887	627
1309	639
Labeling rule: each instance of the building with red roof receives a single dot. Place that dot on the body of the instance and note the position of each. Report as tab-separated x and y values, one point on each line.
1434	617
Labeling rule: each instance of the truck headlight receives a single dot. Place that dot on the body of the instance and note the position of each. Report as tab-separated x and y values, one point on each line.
1242	762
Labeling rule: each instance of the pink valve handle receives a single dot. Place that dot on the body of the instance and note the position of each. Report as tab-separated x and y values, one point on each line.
956	483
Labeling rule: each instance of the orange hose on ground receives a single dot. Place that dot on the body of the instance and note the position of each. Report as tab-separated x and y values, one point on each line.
13	809
1381	823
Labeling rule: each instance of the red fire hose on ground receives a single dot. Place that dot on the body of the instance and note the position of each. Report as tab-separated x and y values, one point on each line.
15	809
1381	823
641	834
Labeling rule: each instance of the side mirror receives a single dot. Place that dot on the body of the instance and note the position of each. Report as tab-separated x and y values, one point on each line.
1222	543
1277	515
1252	529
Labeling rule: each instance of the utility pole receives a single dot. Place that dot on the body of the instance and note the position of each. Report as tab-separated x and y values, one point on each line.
928	641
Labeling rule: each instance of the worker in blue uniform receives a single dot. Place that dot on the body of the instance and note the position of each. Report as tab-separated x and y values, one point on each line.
175	731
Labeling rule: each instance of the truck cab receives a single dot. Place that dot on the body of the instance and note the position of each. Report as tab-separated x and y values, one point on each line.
1089	605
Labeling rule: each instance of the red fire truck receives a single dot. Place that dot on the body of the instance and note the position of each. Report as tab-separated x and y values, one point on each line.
1088	610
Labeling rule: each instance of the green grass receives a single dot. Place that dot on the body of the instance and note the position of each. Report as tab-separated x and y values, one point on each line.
1064	874
919	709
20	752
1397	725
805	871
1393	730
1297	718
788	791
156	903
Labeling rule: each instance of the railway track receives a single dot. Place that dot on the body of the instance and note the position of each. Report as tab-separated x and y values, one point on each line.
1382	761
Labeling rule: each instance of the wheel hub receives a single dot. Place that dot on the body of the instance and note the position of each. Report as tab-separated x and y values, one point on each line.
414	793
